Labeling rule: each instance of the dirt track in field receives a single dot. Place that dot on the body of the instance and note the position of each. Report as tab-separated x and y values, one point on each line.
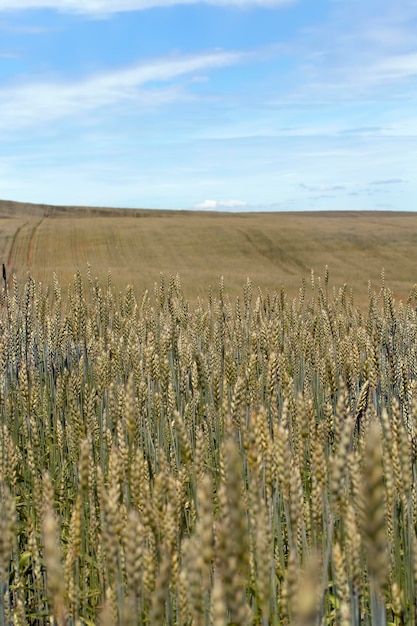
12	250
31	242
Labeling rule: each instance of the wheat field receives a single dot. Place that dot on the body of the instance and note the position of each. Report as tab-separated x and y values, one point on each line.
274	249
240	460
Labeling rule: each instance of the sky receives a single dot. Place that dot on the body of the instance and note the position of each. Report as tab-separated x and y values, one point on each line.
236	105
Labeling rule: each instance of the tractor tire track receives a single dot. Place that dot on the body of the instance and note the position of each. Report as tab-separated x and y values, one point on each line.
274	252
31	242
13	248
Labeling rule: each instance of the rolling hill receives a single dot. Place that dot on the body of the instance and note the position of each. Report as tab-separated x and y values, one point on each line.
273	249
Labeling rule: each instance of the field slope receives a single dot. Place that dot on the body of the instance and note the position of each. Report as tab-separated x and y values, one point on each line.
273	249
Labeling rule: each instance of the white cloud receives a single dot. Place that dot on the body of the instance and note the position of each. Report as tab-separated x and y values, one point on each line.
39	102
207	204
107	7
220	204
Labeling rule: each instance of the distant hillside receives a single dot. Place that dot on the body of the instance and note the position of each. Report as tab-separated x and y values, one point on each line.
273	249
8	208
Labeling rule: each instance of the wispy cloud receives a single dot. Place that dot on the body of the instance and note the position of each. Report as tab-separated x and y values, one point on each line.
388	181
362	51
108	7
199	79
362	130
23	29
8	55
323	196
47	101
397	66
322	188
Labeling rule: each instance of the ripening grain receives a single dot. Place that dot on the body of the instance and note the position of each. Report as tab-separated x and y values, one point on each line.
247	460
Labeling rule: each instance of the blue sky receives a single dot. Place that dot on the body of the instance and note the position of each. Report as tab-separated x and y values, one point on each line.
232	105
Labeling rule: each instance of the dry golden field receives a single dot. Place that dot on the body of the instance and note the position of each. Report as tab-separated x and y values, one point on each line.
273	249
